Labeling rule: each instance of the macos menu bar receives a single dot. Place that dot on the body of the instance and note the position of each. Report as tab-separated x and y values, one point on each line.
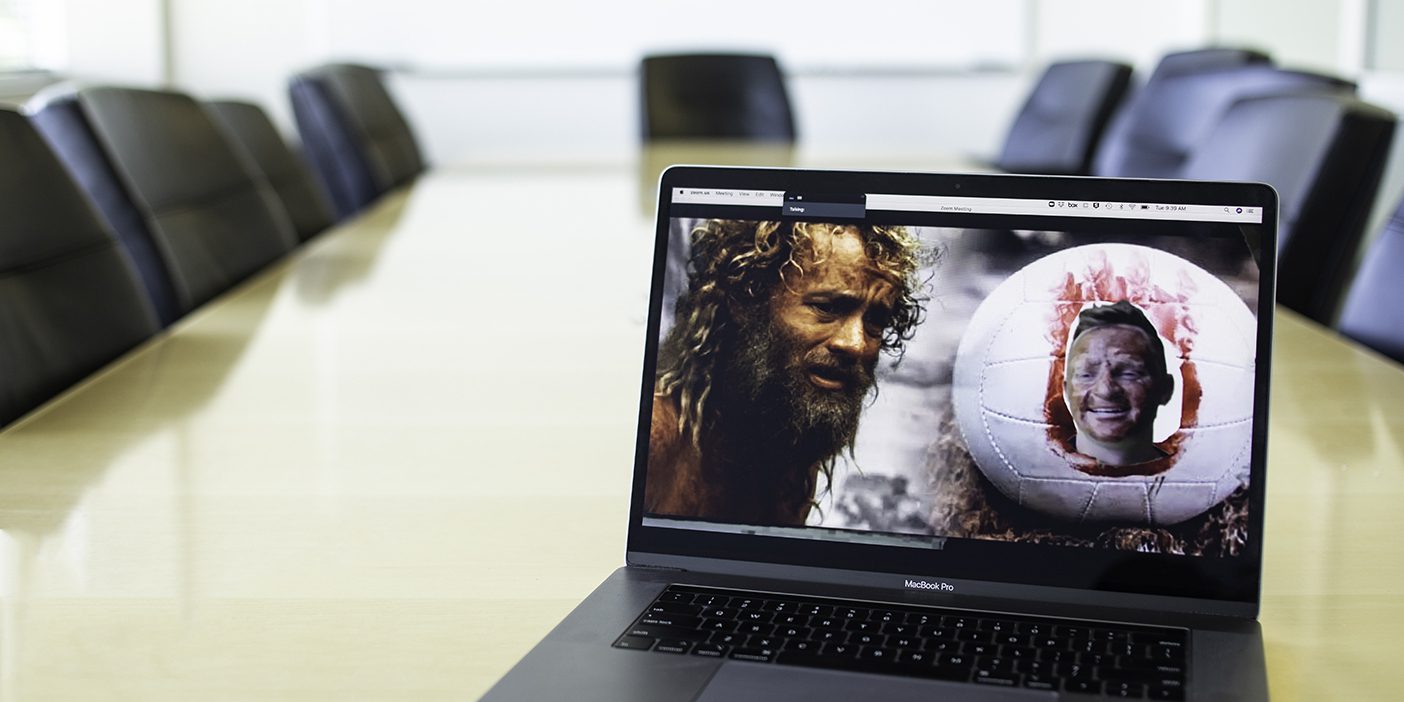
1103	209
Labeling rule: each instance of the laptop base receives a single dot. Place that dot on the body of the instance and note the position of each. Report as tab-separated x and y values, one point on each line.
577	661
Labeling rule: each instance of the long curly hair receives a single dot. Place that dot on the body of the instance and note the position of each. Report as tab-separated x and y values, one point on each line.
738	262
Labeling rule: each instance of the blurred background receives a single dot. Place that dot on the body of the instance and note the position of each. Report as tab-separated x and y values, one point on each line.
557	80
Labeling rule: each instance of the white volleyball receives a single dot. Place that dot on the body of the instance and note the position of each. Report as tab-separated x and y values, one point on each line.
1007	389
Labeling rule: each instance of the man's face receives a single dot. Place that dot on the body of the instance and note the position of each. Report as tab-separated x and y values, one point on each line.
1111	389
809	362
835	314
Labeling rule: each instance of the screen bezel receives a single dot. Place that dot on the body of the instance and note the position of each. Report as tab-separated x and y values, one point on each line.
1220	579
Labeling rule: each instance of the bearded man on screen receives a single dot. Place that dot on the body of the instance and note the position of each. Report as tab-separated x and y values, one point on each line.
761	381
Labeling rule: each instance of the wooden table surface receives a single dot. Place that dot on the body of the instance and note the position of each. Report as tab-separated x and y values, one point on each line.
385	467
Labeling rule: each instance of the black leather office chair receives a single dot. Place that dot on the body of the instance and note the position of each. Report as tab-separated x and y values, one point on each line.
715	96
355	136
69	299
1175	113
213	221
1324	153
1117	144
64	124
1371	314
249	126
1212	58
1059	126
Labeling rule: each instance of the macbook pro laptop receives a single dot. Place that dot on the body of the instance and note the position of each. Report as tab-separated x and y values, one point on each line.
940	437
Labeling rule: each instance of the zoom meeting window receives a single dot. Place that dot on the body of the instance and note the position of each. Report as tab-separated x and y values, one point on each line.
898	369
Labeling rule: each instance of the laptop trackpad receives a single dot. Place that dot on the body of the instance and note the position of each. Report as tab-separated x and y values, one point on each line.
759	682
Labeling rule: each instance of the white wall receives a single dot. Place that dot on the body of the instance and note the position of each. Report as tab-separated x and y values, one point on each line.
596	118
115	41
612	34
488	91
1138	32
1320	35
576	99
245	49
1388	26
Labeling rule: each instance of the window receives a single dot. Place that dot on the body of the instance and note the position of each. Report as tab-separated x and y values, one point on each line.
1386	53
31	34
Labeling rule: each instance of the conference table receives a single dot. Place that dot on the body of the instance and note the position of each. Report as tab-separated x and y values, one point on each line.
387	465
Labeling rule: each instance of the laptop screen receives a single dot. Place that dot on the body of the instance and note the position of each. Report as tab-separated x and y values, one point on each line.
946	374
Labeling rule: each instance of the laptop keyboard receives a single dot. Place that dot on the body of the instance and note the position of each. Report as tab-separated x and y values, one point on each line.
1097	658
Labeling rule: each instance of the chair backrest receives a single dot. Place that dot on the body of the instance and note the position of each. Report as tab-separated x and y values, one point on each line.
69	299
358	141
1176	113
1324	154
248	126
62	121
1060	124
213	220
715	96
1213	58
1117	144
1370	315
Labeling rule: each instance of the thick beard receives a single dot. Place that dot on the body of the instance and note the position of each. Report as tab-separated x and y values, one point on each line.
769	399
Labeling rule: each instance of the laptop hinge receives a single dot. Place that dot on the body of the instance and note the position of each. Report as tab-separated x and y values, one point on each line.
631	560
657	568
